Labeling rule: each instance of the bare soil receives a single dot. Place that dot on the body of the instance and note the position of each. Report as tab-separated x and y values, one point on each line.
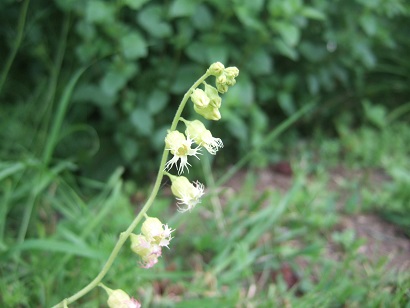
382	240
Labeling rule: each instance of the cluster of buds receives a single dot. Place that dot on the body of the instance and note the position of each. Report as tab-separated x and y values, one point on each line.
225	77
207	103
120	299
148	245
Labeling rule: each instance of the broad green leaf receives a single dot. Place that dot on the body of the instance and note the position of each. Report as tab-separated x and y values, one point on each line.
135	4
151	19
142	121
369	24
157	101
197	51
289	32
217	52
260	62
285	49
180	8
99	11
313	13
286	103
203	18
134	46
112	82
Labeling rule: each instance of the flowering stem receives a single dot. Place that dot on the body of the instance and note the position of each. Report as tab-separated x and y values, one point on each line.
124	235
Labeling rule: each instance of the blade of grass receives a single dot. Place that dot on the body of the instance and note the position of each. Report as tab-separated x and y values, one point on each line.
19	37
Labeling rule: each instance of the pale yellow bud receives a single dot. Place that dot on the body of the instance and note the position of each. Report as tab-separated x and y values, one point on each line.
213	95
209	113
216	68
199	98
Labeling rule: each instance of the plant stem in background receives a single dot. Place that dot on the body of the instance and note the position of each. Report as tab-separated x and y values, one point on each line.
17	43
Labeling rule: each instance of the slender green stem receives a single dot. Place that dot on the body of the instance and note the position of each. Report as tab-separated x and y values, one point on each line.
17	43
124	235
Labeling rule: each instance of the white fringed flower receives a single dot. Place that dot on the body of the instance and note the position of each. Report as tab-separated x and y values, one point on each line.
203	137
180	147
186	193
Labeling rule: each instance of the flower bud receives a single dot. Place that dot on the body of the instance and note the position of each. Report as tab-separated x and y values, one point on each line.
216	68
221	79
231	71
222	88
120	299
209	113
199	98
213	95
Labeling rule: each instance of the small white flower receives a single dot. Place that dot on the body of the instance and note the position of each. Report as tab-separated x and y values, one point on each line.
186	193
180	147
202	136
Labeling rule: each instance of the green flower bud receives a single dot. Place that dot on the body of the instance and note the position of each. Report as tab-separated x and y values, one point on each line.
231	71
119	299
213	95
199	98
209	113
222	88
216	68
221	79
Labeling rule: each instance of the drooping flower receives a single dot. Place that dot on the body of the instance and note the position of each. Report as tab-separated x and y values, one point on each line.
156	231
203	137
180	147
187	193
120	299
148	245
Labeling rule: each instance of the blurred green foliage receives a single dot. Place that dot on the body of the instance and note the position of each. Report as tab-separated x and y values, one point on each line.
143	55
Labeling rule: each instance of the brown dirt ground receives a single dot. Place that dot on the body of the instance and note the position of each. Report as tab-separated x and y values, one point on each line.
381	239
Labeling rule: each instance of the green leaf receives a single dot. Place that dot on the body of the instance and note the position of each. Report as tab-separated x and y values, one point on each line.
135	4
285	49
99	12
313	13
142	121
286	103
217	52
151	19
133	46
289	32
112	82
181	8
369	24
157	101
197	51
260	62
203	18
